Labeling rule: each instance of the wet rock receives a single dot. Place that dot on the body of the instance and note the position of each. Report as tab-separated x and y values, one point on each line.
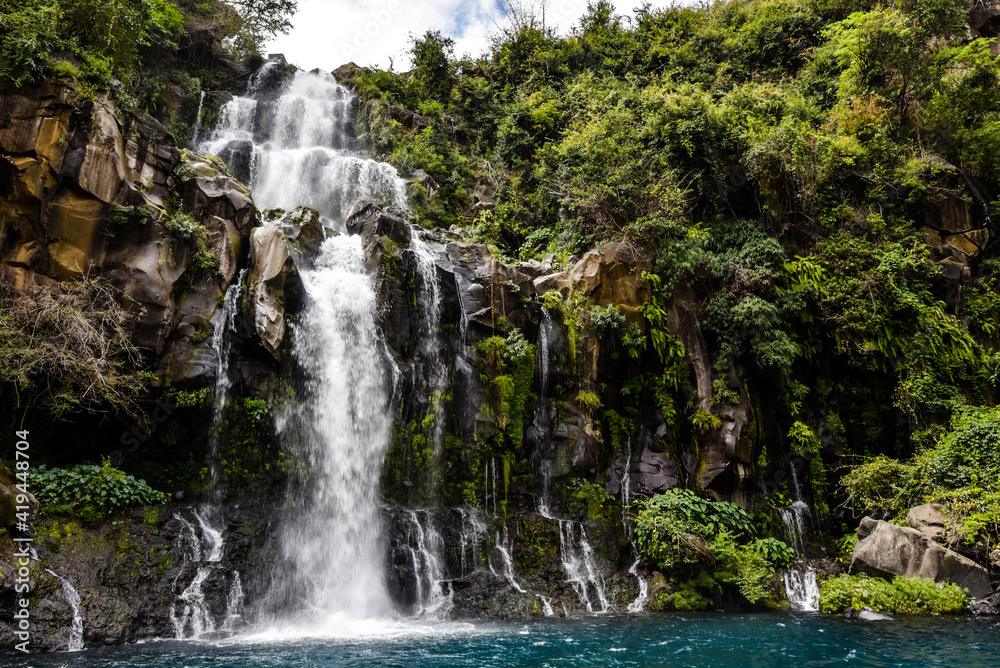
868	615
987	606
886	550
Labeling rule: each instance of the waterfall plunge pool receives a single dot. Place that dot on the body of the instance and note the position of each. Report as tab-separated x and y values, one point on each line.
705	639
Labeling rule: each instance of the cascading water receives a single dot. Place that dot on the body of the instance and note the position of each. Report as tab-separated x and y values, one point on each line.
436	373
345	420
223	384
801	587
580	566
190	614
473	534
540	421
300	147
639	604
74	639
434	594
234	605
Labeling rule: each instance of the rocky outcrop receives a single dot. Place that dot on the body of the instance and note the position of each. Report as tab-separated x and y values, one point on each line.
886	550
90	190
284	243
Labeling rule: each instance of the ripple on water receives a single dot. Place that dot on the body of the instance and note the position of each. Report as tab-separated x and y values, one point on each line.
715	640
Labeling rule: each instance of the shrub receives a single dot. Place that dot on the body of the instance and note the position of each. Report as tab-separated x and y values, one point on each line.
675	527
92	489
902	596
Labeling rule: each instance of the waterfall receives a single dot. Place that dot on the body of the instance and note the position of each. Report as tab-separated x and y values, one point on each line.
794	517
639	604
197	119
345	422
299	148
801	588
626	487
223	385
296	144
75	640
234	605
540	420
473	534
190	614
434	594
580	566
430	347
502	547
202	550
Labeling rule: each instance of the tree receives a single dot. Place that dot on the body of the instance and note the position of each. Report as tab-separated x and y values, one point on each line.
257	21
431	56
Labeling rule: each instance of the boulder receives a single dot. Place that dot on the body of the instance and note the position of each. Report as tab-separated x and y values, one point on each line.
929	519
270	266
886	550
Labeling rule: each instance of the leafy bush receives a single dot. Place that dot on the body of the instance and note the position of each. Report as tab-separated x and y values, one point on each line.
902	596
743	566
92	489
675	527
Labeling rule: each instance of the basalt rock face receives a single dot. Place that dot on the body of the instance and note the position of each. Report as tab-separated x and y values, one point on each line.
89	190
129	574
563	438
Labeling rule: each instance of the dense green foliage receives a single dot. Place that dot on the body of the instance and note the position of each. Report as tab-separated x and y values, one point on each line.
794	167
684	533
903	596
90	490
136	41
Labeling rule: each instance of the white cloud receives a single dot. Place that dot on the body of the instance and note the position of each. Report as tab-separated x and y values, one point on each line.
328	34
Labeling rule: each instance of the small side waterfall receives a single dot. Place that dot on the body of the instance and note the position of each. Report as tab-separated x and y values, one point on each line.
474	532
220	345
430	347
580	566
639	604
203	546
234	605
74	640
190	614
795	518
502	547
434	593
540	421
801	587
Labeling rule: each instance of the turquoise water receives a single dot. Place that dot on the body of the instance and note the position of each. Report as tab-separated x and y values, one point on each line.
665	640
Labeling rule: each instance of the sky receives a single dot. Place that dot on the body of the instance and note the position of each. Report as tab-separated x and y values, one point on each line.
330	33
